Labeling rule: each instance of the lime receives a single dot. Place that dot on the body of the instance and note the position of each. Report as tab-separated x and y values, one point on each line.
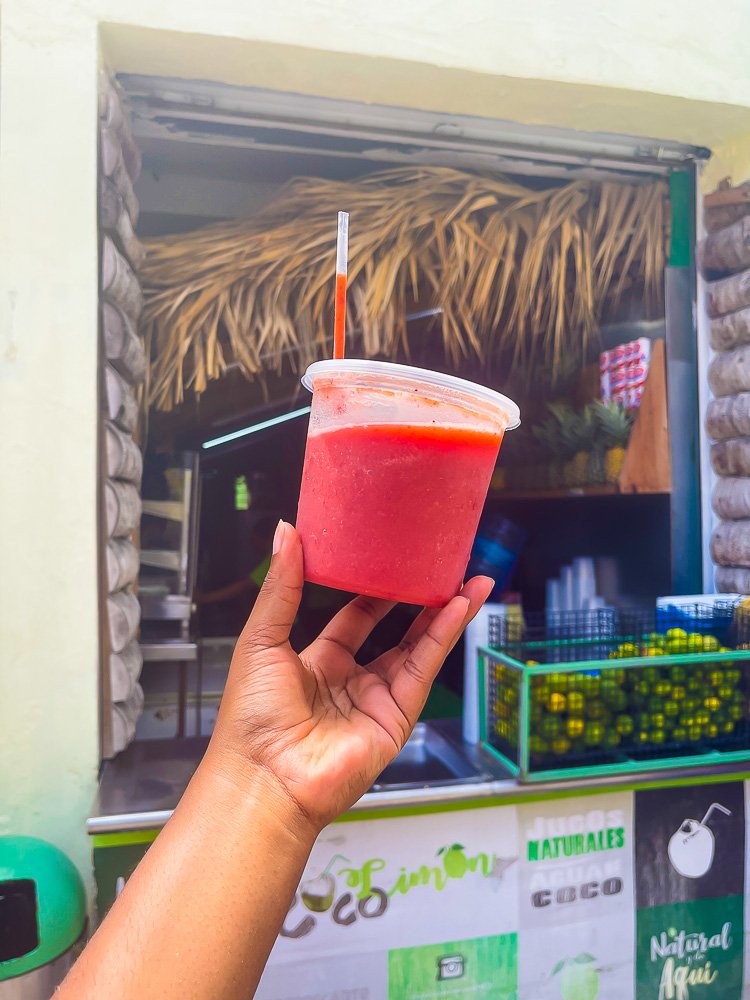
732	676
662	688
642	688
591	685
694	733
736	712
551	727
702	718
676	647
711	731
579	982
642	737
574	727
695	642
650	674
560	745
678	692
677	674
679	734
502	710
559	681
655	639
657	736
510	695
628	649
655	704
576	702
595	710
726	727
710	644
624	725
556	702
691	704
676	633
618	675
619	701
695	684
671	709
593	734
713	704
657	720
576	682
654	651
532	663
716	678
611	739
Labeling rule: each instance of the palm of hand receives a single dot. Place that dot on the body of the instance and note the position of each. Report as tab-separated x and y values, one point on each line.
320	723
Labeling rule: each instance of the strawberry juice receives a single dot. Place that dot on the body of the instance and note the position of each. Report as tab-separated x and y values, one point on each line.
397	467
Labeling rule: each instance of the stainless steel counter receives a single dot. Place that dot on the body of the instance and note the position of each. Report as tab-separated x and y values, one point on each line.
140	788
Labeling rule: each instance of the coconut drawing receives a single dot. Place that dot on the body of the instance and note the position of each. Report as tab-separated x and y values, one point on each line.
691	847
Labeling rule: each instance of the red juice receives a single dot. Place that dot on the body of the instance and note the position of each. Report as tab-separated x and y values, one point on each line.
391	510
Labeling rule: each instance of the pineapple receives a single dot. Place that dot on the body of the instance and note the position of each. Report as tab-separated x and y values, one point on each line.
616	424
577	432
548	436
597	462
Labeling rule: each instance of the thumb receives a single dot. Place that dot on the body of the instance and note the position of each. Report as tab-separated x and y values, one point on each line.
273	615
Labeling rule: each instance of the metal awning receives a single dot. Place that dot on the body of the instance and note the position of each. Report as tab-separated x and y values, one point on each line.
245	118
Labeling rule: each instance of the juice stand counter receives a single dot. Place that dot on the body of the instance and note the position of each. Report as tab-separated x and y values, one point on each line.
451	878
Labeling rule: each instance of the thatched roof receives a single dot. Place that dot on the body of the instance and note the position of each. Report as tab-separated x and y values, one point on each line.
512	268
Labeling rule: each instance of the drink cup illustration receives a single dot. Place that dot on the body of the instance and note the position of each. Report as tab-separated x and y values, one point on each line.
691	847
317	892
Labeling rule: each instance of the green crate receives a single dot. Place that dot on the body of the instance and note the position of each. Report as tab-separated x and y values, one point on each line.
589	707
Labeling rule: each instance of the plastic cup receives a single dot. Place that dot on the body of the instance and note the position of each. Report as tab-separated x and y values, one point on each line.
397	467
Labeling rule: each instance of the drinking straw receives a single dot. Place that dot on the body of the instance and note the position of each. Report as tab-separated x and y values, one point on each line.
715	805
342	260
336	857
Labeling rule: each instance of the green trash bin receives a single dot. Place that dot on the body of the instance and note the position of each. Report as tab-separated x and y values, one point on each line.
42	918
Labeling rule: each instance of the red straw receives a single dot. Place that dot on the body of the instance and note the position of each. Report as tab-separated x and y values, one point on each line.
342	260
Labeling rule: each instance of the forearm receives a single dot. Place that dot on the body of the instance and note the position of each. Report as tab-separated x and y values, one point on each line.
202	910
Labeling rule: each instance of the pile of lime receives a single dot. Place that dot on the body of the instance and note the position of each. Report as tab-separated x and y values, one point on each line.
619	709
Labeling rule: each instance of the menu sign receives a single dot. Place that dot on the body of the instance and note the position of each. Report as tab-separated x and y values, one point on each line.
690	864
575	937
404	908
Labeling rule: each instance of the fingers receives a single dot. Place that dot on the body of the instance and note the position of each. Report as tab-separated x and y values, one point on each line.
477	590
352	625
412	679
273	615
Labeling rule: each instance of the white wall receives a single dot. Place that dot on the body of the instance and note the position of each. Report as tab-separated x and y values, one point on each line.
676	69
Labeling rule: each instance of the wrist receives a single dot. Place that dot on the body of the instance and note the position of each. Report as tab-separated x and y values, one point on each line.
239	788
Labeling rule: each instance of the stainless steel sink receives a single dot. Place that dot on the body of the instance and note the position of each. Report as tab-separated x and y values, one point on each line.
428	759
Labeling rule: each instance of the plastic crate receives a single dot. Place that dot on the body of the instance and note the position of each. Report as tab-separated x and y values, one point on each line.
601	692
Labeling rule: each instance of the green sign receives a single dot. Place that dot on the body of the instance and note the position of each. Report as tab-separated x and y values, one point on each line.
482	967
690	951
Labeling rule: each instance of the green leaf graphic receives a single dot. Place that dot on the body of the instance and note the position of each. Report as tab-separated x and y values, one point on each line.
559	967
583	958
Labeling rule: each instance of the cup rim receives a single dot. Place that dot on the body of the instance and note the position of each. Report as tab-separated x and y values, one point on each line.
408	372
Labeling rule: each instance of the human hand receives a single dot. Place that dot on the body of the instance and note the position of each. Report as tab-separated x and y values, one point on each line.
319	726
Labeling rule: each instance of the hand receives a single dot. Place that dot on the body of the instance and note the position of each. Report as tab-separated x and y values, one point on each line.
320	726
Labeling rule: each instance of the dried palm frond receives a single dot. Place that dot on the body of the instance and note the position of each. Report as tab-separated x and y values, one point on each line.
510	268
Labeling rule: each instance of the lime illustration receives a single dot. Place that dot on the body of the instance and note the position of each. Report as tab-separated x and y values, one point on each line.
579	980
454	860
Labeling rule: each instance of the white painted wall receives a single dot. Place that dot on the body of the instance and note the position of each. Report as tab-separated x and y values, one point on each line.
676	69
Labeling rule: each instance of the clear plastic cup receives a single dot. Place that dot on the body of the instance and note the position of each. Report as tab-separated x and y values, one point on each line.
397	467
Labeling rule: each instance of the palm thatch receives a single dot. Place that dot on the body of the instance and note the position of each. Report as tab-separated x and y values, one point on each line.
511	268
